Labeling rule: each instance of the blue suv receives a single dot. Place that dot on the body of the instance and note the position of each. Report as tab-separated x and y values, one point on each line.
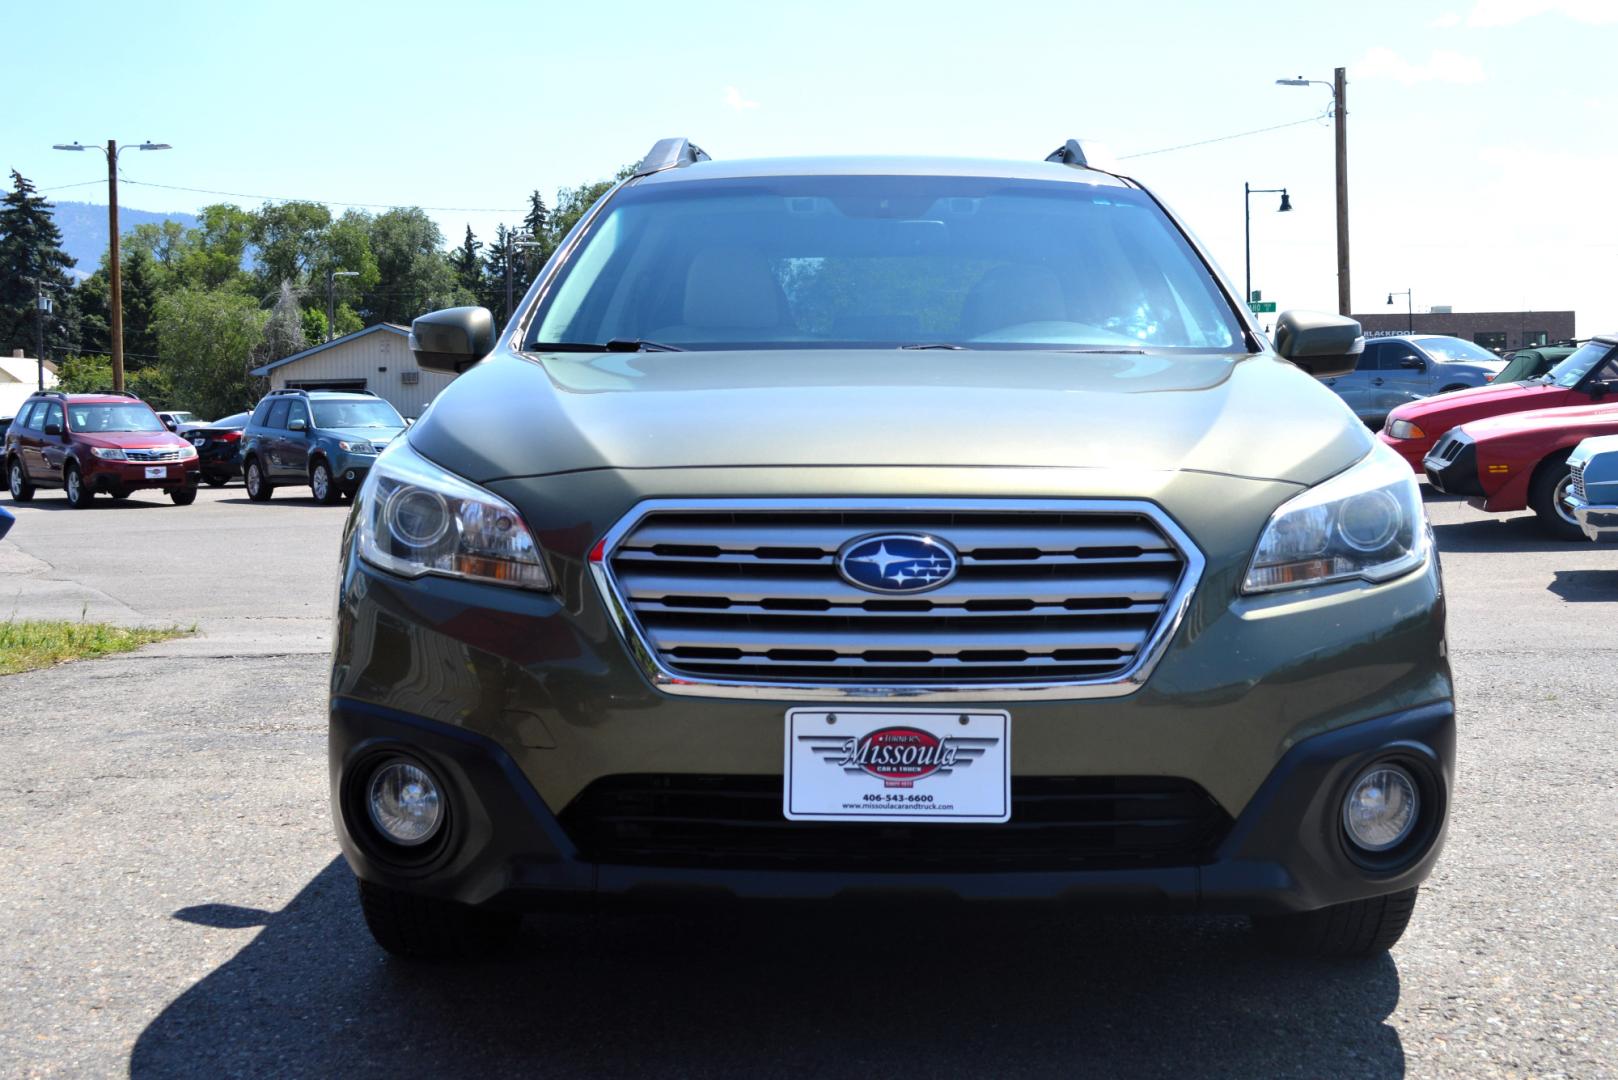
327	439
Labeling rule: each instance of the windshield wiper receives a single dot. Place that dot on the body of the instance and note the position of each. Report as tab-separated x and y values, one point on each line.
639	345
935	345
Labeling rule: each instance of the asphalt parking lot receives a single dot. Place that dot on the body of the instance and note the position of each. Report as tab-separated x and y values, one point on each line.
172	903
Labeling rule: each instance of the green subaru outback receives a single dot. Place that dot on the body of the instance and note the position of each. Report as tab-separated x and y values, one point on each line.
850	528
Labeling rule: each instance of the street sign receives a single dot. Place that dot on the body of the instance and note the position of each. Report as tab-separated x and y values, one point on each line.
1259	307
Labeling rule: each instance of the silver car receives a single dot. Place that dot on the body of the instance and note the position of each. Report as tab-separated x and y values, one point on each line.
1394	370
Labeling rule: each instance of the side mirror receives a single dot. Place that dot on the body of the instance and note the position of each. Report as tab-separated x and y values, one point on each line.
1326	346
1414	363
453	339
298	425
53	429
1598	390
168	423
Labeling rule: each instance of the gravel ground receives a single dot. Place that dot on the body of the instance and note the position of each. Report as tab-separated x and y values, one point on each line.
171	903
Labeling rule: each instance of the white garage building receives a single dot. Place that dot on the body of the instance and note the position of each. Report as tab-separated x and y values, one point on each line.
377	359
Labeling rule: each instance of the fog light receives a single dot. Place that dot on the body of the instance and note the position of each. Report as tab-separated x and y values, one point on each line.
1381	808
404	803
349	475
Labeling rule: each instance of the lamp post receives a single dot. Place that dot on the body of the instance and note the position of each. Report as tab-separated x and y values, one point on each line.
1410	309
116	304
1339	109
331	298
514	244
1247	209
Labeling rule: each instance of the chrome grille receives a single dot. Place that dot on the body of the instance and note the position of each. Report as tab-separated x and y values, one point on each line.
1576	485
153	454
1055	593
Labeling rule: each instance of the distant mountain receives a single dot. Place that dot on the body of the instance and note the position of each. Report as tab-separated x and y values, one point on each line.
84	230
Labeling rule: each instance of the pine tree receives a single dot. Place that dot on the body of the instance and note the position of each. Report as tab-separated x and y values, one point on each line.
537	223
468	267
32	263
495	256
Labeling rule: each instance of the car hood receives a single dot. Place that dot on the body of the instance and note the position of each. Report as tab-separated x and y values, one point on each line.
1593	418
1477	401
1255	416
131	440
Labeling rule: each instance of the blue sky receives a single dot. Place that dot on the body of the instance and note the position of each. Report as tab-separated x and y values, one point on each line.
1482	153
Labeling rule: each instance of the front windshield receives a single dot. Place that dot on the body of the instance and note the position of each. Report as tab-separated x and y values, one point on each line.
882	262
1571	371
90	419
1453	348
356	414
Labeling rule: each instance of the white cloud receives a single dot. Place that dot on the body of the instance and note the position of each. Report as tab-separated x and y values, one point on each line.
1511	12
735	99
1446	20
1443	66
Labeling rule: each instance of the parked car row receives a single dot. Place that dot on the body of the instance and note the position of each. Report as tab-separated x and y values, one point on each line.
1395	371
115	444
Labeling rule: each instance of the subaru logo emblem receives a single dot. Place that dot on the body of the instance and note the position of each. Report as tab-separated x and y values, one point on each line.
898	562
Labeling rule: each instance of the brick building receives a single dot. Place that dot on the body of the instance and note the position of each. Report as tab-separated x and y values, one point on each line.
1501	331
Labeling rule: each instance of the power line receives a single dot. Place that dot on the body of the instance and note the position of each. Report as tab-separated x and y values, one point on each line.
331	202
1227	138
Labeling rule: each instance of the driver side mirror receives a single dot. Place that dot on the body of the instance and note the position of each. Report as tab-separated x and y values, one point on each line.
298	425
1326	346
453	339
1414	363
53	429
168	423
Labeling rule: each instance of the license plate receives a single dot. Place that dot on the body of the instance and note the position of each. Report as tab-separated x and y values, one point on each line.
897	765
156	472
199	442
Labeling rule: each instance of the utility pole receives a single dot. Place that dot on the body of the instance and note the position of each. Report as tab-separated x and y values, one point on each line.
116	270
1340	108
331	297
513	244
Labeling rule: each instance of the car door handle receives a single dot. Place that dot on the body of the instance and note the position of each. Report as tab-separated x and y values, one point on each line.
1376	382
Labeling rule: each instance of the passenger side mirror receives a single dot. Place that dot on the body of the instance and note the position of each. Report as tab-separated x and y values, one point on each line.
453	339
168	423
1414	363
53	429
1326	346
298	425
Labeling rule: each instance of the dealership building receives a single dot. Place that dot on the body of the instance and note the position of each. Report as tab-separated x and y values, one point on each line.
1502	331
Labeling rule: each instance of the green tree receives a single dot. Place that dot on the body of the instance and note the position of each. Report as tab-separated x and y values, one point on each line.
92	374
290	238
210	340
415	274
466	264
217	249
283	330
32	263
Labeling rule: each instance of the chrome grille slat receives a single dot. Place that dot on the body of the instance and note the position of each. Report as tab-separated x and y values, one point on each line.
1058	597
1576	485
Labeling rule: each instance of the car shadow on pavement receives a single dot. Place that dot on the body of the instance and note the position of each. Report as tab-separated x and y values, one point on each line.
1582	586
759	991
283	499
105	502
1500	535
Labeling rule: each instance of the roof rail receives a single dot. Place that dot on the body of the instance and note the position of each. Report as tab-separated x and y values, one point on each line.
670	154
1084	154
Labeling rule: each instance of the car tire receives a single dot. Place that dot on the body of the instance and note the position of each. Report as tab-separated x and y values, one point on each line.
1545	494
216	481
79	494
1357	928
21	490
259	488
183	496
425	928
323	485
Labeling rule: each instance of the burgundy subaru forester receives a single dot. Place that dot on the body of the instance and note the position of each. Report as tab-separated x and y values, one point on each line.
89	443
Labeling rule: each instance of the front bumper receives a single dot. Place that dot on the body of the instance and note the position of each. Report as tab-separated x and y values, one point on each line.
349	470
506	848
1412	450
131	475
1600	523
1452	466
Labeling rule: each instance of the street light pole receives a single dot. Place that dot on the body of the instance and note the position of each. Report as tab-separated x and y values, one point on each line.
331	297
115	329
1410	309
39	328
513	244
1247	211
1339	108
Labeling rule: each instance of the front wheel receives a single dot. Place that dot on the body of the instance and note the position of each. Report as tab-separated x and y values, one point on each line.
79	494
1357	928
21	489
183	496
258	488
1547	498
425	928
322	486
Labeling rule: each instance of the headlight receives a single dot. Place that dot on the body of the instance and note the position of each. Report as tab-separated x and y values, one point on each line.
187	452
1366	522
109	453
1404	429
415	518
355	447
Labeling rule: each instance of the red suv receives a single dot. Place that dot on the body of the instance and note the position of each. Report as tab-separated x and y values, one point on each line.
85	443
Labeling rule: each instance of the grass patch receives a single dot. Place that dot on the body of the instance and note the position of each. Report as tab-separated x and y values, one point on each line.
35	643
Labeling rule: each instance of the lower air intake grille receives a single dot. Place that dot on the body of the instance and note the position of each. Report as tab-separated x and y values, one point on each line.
735	822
